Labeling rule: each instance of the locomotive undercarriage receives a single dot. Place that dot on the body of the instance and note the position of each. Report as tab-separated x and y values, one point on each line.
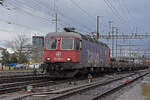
73	69
62	69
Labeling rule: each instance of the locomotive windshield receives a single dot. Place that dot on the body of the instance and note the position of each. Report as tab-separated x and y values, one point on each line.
51	43
67	43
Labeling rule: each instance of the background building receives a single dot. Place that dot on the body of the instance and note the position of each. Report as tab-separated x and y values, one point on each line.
1	50
38	42
37	49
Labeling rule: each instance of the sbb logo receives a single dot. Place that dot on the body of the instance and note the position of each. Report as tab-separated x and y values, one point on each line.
58	54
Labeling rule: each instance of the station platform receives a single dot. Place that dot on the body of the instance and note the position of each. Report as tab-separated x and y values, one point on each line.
140	91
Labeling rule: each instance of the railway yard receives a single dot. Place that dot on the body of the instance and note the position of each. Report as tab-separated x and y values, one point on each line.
43	87
74	50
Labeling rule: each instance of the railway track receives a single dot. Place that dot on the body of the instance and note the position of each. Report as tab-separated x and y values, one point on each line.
89	91
18	78
116	88
19	82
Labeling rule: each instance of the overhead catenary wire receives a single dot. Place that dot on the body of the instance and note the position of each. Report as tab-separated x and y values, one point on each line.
62	15
116	13
20	25
29	13
128	11
48	19
68	18
12	31
125	11
84	11
8	31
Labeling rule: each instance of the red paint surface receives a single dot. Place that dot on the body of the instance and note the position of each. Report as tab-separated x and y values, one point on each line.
62	55
59	55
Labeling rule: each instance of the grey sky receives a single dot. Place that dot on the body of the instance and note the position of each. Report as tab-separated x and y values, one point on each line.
35	16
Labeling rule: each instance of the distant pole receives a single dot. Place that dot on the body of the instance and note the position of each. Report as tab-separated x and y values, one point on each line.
110	27
145	54
56	16
116	43
120	50
110	30
56	22
130	49
98	27
113	31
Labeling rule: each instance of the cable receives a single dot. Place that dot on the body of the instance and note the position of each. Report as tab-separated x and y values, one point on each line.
84	11
29	13
3	30
78	24
34	15
116	13
125	10
114	9
20	25
60	14
128	11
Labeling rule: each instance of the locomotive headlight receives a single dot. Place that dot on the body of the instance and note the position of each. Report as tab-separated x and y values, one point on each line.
48	59
69	59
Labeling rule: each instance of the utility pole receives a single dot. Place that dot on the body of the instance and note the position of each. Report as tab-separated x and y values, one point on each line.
110	27
56	22
145	55
130	49
56	16
116	42
120	50
113	31
110	30
98	27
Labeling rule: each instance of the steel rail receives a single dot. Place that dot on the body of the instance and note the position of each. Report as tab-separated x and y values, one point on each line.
112	91
87	88
72	91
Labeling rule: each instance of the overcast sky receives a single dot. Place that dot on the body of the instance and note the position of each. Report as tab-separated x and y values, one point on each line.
36	16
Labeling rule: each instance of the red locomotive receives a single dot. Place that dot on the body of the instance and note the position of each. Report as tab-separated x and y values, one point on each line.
72	53
67	54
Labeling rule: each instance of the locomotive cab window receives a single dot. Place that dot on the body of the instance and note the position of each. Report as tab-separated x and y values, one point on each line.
67	43
51	43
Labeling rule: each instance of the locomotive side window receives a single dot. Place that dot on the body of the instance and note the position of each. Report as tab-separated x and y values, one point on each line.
76	44
80	44
67	43
51	43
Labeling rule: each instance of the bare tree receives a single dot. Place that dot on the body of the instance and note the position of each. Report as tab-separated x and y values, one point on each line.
19	45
